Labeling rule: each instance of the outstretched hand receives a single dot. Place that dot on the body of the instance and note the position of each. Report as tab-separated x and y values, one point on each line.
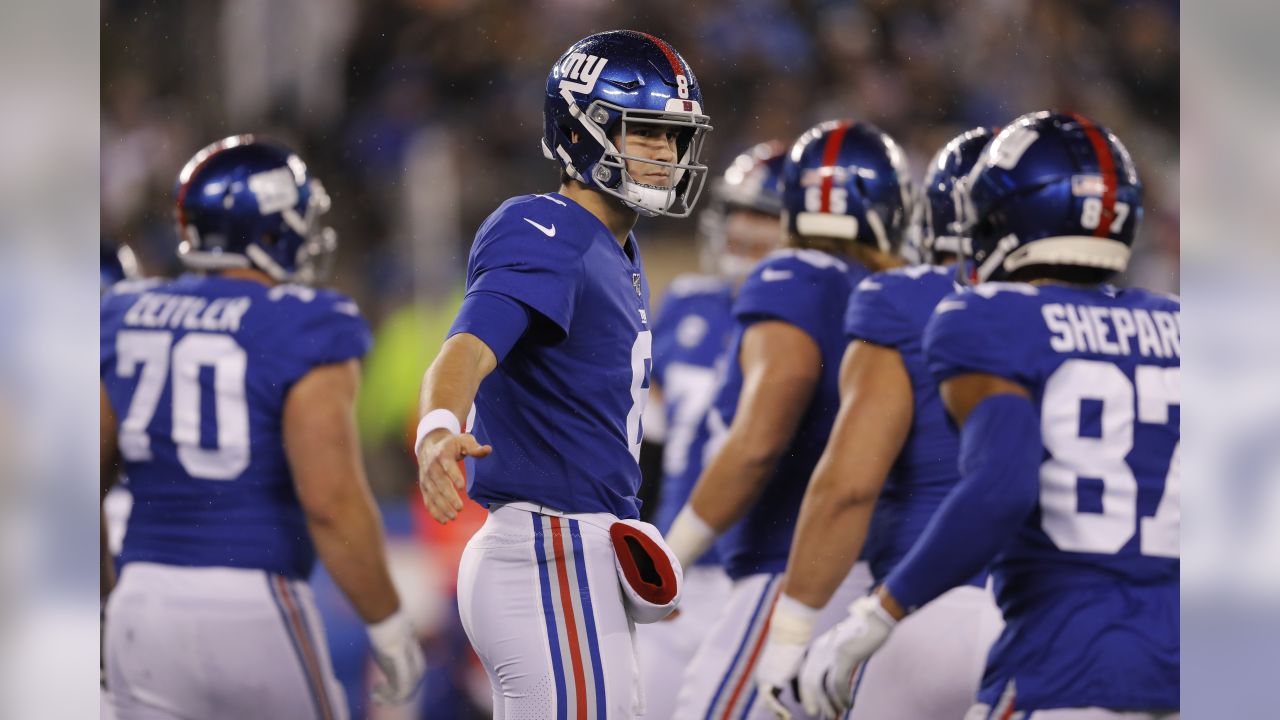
439	477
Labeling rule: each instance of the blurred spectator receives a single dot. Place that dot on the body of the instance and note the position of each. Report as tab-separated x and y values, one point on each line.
422	115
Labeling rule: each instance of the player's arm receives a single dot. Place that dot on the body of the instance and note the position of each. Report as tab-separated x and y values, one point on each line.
869	431
781	366
1000	454
999	467
324	457
448	390
108	472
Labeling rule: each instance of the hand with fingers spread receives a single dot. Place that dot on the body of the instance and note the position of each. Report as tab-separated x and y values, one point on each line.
440	475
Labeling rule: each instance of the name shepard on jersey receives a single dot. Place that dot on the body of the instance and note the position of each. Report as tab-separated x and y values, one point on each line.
1110	330
158	310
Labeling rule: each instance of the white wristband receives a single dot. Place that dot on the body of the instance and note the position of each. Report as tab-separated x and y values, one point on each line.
792	621
689	536
389	632
434	420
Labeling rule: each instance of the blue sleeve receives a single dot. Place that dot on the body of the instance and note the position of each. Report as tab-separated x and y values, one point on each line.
332	331
513	259
793	291
497	320
873	315
972	333
999	486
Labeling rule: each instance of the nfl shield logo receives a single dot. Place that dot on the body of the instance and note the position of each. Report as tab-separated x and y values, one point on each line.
635	283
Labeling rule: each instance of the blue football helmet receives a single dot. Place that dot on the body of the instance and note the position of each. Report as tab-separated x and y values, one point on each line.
941	204
605	81
247	202
751	183
1051	189
848	181
117	265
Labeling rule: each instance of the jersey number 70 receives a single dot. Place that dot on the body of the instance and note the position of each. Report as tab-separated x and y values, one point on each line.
156	359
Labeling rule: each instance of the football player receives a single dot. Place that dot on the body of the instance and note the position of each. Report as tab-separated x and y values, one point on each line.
552	343
893	451
845	191
227	398
1066	390
690	336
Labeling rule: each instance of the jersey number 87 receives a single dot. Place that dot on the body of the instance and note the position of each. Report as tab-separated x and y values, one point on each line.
1073	456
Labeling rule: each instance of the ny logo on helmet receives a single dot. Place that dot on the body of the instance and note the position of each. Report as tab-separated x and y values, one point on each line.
582	67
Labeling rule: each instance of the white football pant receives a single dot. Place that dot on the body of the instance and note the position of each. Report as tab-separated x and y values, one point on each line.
931	666
213	643
720	681
540	601
666	648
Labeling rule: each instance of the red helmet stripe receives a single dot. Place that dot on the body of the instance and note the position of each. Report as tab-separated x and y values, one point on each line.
829	153
676	66
214	149
1107	168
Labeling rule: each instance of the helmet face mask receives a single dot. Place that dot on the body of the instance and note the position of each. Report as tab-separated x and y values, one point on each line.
1054	191
940	221
247	203
604	86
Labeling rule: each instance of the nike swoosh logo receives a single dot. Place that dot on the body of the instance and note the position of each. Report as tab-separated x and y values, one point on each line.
548	231
770	275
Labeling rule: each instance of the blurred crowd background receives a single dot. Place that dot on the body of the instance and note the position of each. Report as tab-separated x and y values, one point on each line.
421	116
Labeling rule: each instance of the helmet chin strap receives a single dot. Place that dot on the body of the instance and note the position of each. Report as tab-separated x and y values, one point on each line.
646	199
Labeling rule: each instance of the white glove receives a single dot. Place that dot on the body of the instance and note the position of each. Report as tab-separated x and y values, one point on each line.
397	652
826	677
790	629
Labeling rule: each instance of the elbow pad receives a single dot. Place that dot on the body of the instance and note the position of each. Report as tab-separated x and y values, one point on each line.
651	578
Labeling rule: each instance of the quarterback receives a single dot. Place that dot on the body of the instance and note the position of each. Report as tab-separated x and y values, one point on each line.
552	345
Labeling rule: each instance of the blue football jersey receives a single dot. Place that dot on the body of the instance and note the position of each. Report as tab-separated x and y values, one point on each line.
562	409
810	290
891	309
690	336
1089	583
197	371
